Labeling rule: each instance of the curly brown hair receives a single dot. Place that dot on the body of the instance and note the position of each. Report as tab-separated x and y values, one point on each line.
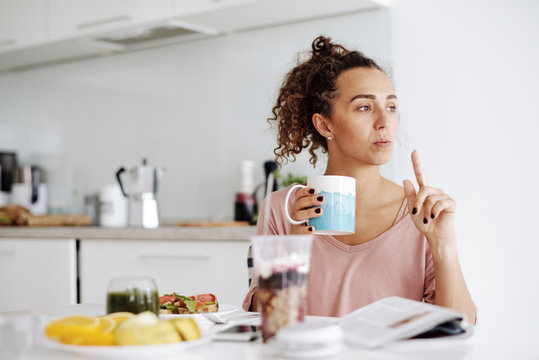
310	88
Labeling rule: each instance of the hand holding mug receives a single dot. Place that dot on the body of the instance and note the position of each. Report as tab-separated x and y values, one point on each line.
307	205
327	204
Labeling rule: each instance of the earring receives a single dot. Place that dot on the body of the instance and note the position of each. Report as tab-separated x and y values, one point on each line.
330	138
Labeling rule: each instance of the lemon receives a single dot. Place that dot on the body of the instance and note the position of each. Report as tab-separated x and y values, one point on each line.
143	318
71	325
107	324
160	334
120	317
136	334
121	328
187	327
82	330
91	338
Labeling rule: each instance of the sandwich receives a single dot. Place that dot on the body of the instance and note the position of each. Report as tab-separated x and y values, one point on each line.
179	304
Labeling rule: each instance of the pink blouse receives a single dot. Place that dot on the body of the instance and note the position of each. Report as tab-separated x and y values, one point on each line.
343	278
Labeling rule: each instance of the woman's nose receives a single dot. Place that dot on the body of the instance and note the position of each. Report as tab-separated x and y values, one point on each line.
381	120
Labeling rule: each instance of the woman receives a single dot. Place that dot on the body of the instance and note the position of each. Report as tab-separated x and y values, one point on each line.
341	102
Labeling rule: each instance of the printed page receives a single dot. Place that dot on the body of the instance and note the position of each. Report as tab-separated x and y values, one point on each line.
391	319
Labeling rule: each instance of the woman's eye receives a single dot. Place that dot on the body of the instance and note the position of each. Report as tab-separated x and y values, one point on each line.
392	108
363	108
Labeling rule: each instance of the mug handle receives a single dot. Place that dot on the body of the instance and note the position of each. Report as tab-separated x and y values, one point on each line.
292	221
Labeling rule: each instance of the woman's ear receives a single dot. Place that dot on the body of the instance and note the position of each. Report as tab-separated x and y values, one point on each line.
322	125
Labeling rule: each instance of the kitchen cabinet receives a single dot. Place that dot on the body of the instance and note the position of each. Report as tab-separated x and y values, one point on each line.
60	30
185	7
22	23
188	267
37	273
74	18
241	15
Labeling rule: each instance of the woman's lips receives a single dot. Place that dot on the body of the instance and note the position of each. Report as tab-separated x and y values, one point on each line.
382	143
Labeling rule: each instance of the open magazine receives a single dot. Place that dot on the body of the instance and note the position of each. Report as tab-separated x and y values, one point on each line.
396	318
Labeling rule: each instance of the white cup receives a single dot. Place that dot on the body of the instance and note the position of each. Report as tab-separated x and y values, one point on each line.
339	207
112	207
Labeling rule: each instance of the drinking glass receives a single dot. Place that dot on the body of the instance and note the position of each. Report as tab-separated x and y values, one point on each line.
281	265
132	294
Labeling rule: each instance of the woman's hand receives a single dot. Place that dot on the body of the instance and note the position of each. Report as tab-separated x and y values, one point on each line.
305	207
433	211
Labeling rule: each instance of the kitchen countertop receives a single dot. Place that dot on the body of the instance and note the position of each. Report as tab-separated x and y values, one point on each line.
130	233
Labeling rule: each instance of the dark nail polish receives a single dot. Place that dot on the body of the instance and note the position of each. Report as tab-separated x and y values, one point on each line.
432	216
310	228
425	220
414	211
317	210
311	191
320	198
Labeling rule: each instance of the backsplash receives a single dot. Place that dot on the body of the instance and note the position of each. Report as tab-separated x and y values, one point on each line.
195	108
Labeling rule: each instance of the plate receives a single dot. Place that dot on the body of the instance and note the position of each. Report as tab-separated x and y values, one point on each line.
223	309
131	351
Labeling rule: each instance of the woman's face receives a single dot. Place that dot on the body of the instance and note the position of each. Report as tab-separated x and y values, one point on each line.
364	118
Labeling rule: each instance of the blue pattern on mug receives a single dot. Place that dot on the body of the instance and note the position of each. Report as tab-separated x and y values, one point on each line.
339	213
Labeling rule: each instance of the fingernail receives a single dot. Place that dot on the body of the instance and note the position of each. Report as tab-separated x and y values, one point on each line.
310	228
320	198
414	211
317	210
425	220
311	191
432	216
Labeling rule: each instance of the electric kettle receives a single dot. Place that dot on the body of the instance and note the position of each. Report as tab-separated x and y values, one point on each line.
141	191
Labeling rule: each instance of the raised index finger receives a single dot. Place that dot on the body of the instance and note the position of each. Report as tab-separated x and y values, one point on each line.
418	170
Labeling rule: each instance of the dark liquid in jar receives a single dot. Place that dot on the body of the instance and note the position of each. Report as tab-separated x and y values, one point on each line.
133	300
282	298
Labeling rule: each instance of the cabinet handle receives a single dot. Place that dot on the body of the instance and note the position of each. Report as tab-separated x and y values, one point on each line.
96	23
7	253
7	42
174	257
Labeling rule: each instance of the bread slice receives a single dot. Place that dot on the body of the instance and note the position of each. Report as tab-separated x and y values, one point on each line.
208	308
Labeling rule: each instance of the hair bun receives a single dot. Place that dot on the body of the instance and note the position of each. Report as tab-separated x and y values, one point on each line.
322	45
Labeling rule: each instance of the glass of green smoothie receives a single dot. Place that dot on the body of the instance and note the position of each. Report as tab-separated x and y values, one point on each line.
132	294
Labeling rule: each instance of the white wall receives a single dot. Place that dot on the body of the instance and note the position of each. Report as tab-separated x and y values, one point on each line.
196	108
467	77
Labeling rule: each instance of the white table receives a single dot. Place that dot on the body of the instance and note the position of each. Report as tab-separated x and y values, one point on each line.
484	344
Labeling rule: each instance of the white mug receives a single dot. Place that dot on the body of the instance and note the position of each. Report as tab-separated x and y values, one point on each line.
339	207
112	207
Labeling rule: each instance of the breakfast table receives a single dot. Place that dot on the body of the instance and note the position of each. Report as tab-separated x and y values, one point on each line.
21	337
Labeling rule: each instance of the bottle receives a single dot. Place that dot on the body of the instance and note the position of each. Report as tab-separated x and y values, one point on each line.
245	206
270	167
